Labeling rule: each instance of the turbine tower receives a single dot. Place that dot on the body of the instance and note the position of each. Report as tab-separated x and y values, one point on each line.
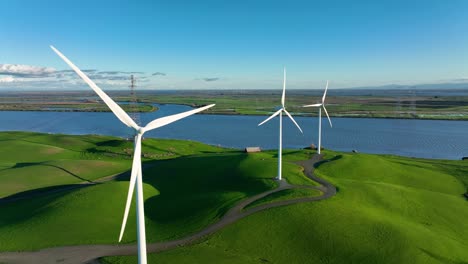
280	113
320	106
136	175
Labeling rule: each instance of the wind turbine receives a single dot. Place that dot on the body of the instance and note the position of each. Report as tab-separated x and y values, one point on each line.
320	106
136	175
280	113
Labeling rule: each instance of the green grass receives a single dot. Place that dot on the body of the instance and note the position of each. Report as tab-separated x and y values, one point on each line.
260	102
26	176
82	215
31	161
73	107
388	210
444	176
263	103
267	162
288	194
184	193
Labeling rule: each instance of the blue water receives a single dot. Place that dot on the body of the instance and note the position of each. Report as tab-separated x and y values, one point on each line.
413	138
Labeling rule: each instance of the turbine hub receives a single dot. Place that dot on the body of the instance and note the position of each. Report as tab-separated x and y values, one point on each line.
139	131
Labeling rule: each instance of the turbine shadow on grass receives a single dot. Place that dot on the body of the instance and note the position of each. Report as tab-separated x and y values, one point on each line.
105	148
111	143
194	186
174	150
95	151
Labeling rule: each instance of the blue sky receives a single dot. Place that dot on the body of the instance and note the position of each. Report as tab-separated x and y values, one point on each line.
234	44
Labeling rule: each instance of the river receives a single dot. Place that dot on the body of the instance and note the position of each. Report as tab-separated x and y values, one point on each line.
405	137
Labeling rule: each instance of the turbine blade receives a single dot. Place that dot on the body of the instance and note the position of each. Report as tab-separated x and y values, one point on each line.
136	166
172	118
329	120
114	107
294	121
312	105
325	93
273	115
283	97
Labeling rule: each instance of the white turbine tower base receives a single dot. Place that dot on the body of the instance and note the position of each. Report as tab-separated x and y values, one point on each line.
320	106
136	178
280	113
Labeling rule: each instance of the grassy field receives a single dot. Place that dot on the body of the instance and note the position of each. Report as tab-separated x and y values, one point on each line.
187	186
31	160
420	107
65	101
388	210
258	102
285	195
73	107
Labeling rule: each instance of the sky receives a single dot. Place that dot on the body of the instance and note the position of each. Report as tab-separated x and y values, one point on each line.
233	44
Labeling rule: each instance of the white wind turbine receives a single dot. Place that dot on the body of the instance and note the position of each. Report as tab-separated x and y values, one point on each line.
136	175
280	113
320	106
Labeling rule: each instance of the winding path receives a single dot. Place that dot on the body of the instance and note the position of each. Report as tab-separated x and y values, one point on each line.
90	253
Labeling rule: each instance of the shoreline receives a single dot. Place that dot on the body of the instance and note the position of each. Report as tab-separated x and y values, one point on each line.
214	112
155	109
350	151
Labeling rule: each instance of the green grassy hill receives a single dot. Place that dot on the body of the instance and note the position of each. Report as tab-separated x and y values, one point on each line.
187	186
29	161
388	210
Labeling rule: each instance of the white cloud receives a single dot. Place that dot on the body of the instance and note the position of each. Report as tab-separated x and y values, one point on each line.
7	79
25	71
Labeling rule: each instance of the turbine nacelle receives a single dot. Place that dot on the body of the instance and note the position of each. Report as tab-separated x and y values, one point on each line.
140	131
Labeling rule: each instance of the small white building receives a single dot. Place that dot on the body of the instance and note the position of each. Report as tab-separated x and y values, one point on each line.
252	149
